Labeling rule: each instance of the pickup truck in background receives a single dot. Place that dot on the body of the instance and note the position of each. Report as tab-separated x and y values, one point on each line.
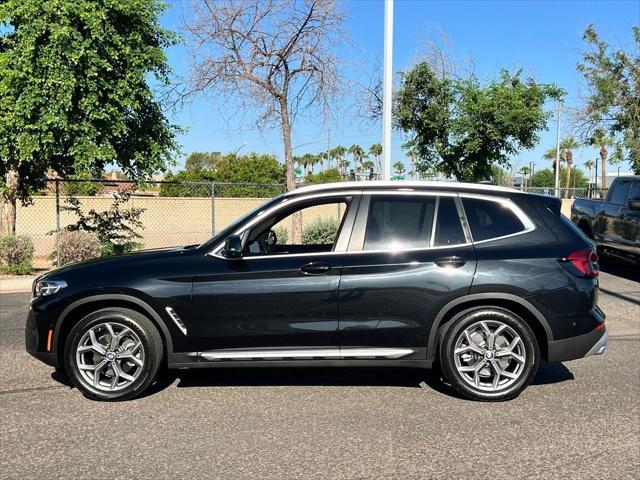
613	224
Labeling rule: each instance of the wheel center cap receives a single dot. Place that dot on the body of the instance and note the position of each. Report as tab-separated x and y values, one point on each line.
111	356
488	354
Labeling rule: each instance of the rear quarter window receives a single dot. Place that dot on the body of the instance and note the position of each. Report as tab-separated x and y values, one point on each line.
488	219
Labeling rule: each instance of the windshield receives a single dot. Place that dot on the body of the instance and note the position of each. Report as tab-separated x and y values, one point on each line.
235	225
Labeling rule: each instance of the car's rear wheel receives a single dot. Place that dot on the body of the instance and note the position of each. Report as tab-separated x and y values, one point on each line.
489	354
113	354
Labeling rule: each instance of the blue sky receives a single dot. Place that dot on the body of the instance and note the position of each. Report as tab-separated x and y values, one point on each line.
542	37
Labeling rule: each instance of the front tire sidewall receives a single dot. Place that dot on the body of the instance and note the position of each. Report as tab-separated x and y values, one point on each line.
148	335
463	320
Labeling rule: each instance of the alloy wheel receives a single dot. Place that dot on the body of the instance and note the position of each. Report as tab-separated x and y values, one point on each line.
489	355
110	356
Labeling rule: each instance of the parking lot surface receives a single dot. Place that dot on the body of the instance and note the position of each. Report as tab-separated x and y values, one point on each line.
579	419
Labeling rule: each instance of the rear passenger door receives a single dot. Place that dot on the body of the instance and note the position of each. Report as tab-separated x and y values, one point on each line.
408	257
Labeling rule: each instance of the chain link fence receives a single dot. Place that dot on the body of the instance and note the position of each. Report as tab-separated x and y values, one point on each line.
568	193
172	213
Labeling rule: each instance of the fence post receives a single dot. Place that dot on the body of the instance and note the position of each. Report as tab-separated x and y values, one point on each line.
57	219
213	208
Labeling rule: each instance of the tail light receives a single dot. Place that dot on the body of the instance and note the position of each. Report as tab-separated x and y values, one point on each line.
582	263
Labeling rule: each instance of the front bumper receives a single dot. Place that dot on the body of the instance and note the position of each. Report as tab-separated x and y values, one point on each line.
592	343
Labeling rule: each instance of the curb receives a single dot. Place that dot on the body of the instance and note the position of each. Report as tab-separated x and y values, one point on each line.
17	284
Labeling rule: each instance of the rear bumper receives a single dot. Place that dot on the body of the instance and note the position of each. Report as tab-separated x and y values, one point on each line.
592	343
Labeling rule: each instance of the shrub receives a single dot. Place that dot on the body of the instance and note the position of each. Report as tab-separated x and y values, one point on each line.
73	247
322	231
16	255
116	228
282	234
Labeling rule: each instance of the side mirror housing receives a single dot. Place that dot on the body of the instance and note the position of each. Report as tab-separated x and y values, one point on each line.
232	247
634	204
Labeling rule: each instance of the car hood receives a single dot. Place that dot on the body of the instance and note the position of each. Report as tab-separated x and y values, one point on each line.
130	260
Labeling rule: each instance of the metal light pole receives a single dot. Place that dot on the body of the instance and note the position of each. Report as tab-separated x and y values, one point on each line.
387	83
557	182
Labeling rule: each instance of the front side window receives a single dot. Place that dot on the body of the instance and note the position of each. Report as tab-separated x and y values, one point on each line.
396	222
488	219
303	228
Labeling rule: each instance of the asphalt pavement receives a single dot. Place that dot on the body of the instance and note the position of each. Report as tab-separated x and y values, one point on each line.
579	419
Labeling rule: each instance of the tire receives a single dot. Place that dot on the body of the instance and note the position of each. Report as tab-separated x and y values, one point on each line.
471	366
126	366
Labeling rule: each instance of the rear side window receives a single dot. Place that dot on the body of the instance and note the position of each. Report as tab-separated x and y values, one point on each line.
448	227
489	219
399	222
619	193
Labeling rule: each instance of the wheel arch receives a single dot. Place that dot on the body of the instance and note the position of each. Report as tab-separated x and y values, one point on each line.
521	307
84	306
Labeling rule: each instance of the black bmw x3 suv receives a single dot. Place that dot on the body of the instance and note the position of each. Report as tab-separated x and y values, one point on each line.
480	280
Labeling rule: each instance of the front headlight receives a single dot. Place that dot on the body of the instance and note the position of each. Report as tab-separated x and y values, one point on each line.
46	287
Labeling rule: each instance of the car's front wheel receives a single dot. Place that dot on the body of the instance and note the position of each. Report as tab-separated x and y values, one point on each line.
489	354
113	354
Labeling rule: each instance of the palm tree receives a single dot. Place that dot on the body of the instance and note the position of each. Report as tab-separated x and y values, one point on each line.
367	166
338	153
322	156
551	155
376	151
602	140
589	164
525	171
568	145
358	155
412	157
399	167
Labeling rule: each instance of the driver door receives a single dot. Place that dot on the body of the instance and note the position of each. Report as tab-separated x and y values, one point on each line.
282	294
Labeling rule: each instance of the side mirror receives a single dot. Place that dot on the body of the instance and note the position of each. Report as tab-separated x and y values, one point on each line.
634	204
232	247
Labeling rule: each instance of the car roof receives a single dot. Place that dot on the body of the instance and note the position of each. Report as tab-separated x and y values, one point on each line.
403	185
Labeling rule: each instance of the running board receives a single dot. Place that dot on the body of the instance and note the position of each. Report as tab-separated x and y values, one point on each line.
321	353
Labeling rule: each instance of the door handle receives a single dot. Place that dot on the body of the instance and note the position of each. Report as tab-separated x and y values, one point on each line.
314	268
450	262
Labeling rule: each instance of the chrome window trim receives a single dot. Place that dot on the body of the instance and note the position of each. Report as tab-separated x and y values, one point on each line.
364	203
529	226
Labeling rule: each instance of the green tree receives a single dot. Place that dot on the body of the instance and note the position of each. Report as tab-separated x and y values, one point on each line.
612	104
79	188
499	176
329	175
202	160
461	127
75	92
546	178
251	175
